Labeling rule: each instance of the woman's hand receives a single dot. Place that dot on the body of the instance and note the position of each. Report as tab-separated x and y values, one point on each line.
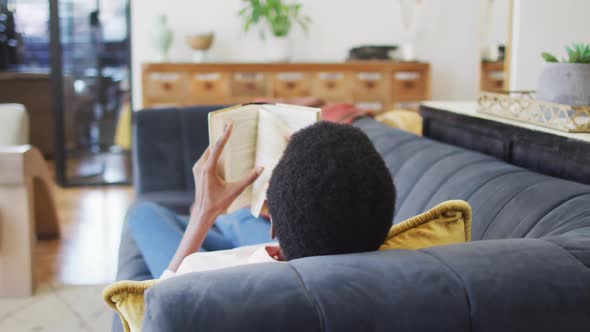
213	195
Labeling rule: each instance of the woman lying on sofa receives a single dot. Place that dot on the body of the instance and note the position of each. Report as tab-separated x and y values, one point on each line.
331	193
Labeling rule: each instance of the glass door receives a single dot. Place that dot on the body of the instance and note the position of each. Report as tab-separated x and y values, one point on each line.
90	61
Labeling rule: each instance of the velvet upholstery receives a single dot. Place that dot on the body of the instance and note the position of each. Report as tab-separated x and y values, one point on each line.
527	269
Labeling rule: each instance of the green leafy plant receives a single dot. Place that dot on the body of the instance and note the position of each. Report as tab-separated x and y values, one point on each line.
279	16
577	53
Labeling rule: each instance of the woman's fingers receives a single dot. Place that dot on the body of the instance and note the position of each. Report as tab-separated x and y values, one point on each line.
241	185
287	137
202	161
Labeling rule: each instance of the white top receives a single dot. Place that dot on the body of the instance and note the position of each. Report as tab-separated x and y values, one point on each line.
215	260
469	108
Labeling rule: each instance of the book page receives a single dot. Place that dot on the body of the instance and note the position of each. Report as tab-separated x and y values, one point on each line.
238	157
275	123
272	133
295	117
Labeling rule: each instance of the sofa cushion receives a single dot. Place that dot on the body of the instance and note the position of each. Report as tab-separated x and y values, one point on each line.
446	223
127	299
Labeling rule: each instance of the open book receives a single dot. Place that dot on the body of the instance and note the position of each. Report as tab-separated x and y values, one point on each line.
259	138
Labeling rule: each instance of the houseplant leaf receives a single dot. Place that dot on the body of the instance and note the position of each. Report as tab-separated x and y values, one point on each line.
549	57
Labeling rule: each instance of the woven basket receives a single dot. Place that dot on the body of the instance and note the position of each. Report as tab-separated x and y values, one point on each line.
523	107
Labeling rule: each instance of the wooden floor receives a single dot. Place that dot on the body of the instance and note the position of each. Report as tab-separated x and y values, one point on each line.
91	220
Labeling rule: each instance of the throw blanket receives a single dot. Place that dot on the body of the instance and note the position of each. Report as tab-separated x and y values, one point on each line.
344	113
332	112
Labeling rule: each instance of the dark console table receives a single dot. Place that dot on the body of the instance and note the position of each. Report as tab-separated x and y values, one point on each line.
544	150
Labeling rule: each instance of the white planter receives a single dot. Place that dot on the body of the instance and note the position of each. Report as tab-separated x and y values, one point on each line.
565	83
277	49
407	52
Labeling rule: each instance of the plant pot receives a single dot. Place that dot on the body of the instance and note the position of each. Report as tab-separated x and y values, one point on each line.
565	83
277	49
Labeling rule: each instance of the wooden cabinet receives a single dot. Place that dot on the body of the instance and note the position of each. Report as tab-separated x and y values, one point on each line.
492	76
376	86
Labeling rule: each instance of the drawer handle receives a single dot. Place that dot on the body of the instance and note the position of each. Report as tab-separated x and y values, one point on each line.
208	86
250	86
408	84
330	85
291	85
166	86
370	84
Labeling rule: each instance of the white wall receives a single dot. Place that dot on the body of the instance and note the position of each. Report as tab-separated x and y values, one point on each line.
544	26
497	32
448	39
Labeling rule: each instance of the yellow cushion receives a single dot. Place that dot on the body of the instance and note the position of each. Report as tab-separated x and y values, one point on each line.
409	121
126	298
446	223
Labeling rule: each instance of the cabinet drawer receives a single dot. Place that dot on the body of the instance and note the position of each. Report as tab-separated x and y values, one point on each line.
250	85
333	86
369	86
408	86
165	88
291	84
209	88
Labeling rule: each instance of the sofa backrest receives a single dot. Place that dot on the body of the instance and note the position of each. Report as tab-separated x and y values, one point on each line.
166	144
507	201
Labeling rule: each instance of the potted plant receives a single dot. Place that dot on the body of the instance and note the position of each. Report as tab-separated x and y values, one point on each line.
274	19
567	82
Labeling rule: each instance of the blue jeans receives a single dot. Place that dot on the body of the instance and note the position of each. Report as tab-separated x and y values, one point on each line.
157	232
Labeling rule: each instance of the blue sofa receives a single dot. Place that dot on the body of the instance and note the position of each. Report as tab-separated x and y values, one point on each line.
527	269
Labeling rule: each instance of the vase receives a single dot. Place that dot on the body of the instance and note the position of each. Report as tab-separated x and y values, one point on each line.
565	83
407	52
277	49
162	37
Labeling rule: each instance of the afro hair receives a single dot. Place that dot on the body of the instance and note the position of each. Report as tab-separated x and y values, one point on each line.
331	193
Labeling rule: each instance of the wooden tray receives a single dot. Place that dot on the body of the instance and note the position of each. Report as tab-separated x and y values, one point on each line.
522	106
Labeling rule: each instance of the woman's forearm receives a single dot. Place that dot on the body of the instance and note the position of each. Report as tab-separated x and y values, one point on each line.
193	238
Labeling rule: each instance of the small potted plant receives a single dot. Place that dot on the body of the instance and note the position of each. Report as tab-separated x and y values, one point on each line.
567	82
275	20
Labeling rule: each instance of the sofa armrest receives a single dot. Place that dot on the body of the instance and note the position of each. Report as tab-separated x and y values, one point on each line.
520	284
27	210
500	285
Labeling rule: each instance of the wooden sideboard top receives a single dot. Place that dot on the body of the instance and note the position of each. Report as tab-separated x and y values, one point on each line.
300	66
